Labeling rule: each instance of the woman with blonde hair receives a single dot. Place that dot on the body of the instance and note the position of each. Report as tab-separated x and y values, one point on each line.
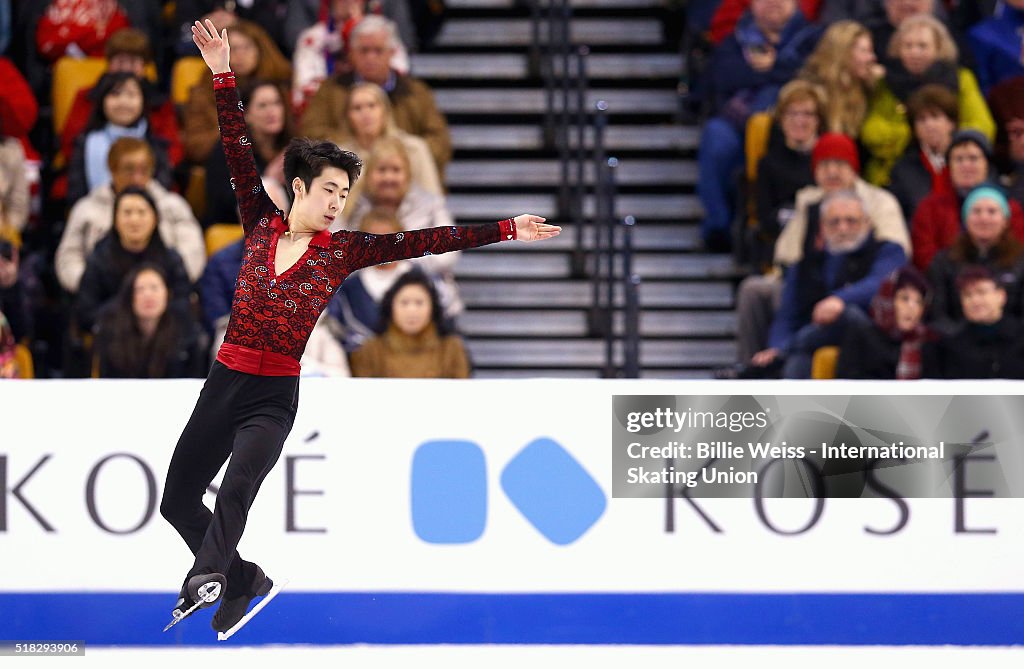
922	52
844	65
368	118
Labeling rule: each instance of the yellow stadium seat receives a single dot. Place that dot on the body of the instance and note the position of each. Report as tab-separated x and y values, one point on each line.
220	235
187	72
759	127
195	190
23	359
823	364
71	75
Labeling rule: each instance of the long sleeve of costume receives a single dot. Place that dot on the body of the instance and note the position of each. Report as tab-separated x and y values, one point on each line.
253	201
365	249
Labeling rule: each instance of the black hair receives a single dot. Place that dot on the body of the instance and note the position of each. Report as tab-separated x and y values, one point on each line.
108	83
141	192
414	277
123	347
306	159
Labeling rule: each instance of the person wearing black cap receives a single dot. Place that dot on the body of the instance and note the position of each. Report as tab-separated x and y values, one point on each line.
937	223
889	345
990	345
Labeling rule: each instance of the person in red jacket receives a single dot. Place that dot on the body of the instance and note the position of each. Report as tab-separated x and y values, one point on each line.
291	267
937	222
78	27
729	12
127	50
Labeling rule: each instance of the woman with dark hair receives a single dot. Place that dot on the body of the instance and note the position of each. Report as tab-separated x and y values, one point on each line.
889	345
132	241
120	110
986	241
269	119
412	341
139	337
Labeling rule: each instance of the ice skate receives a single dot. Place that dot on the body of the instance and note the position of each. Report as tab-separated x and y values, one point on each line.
201	591
233	619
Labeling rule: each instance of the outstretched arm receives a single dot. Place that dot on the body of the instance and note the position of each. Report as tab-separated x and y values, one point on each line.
366	249
253	202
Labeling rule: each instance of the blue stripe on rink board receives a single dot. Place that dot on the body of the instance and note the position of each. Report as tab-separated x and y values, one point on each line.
448	618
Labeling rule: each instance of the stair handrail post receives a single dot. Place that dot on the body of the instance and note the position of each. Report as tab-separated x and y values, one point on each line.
608	223
579	190
631	288
598	311
565	114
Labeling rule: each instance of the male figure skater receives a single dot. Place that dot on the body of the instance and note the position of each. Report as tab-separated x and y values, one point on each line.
291	267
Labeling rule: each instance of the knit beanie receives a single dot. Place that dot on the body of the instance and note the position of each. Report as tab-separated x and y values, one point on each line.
835	146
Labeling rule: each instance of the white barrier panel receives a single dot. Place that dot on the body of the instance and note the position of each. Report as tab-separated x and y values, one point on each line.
83	464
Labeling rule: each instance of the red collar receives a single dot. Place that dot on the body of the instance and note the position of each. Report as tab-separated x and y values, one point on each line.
321	239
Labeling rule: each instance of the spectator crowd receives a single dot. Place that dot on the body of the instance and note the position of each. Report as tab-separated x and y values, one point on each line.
119	232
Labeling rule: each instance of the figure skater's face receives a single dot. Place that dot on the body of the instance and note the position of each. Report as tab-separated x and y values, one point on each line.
411	309
318	206
135	222
245	55
123	105
389	181
918	49
149	296
908	308
265	112
366	114
985	222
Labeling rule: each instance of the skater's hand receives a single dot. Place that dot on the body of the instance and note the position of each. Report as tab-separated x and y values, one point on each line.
213	47
530	228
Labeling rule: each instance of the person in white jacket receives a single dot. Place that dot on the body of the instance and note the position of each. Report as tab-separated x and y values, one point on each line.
131	163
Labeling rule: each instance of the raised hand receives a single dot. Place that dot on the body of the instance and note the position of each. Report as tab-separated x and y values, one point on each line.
530	228
213	47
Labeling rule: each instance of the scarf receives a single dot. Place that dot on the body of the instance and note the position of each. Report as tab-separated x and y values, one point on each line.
883	313
97	146
903	83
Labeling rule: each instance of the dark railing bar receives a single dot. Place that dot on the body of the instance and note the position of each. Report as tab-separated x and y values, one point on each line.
608	223
631	287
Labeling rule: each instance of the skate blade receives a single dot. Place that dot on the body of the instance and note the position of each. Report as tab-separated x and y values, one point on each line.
278	586
208	593
186	614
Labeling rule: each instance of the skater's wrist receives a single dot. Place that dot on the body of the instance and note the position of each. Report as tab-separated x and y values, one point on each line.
508	229
224	80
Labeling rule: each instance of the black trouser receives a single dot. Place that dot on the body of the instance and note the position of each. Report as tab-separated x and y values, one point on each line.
245	417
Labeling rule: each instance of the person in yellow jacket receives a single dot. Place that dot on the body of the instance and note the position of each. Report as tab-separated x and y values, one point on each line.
923	52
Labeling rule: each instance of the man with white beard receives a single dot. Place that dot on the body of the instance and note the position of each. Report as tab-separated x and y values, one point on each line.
819	291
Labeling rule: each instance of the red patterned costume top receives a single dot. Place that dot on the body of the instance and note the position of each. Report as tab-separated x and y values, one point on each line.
272	316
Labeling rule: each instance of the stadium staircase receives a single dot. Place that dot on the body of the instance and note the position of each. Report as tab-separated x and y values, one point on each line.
527	313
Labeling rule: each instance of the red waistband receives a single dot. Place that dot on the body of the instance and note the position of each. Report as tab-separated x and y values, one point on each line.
261	363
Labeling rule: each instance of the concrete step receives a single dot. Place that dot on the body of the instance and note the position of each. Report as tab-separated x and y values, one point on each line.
630	172
557	266
488	206
591	353
617	137
646	237
519	32
578	294
551	323
480	101
514	66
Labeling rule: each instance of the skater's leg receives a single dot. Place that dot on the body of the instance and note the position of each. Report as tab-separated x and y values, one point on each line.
257	447
202	449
